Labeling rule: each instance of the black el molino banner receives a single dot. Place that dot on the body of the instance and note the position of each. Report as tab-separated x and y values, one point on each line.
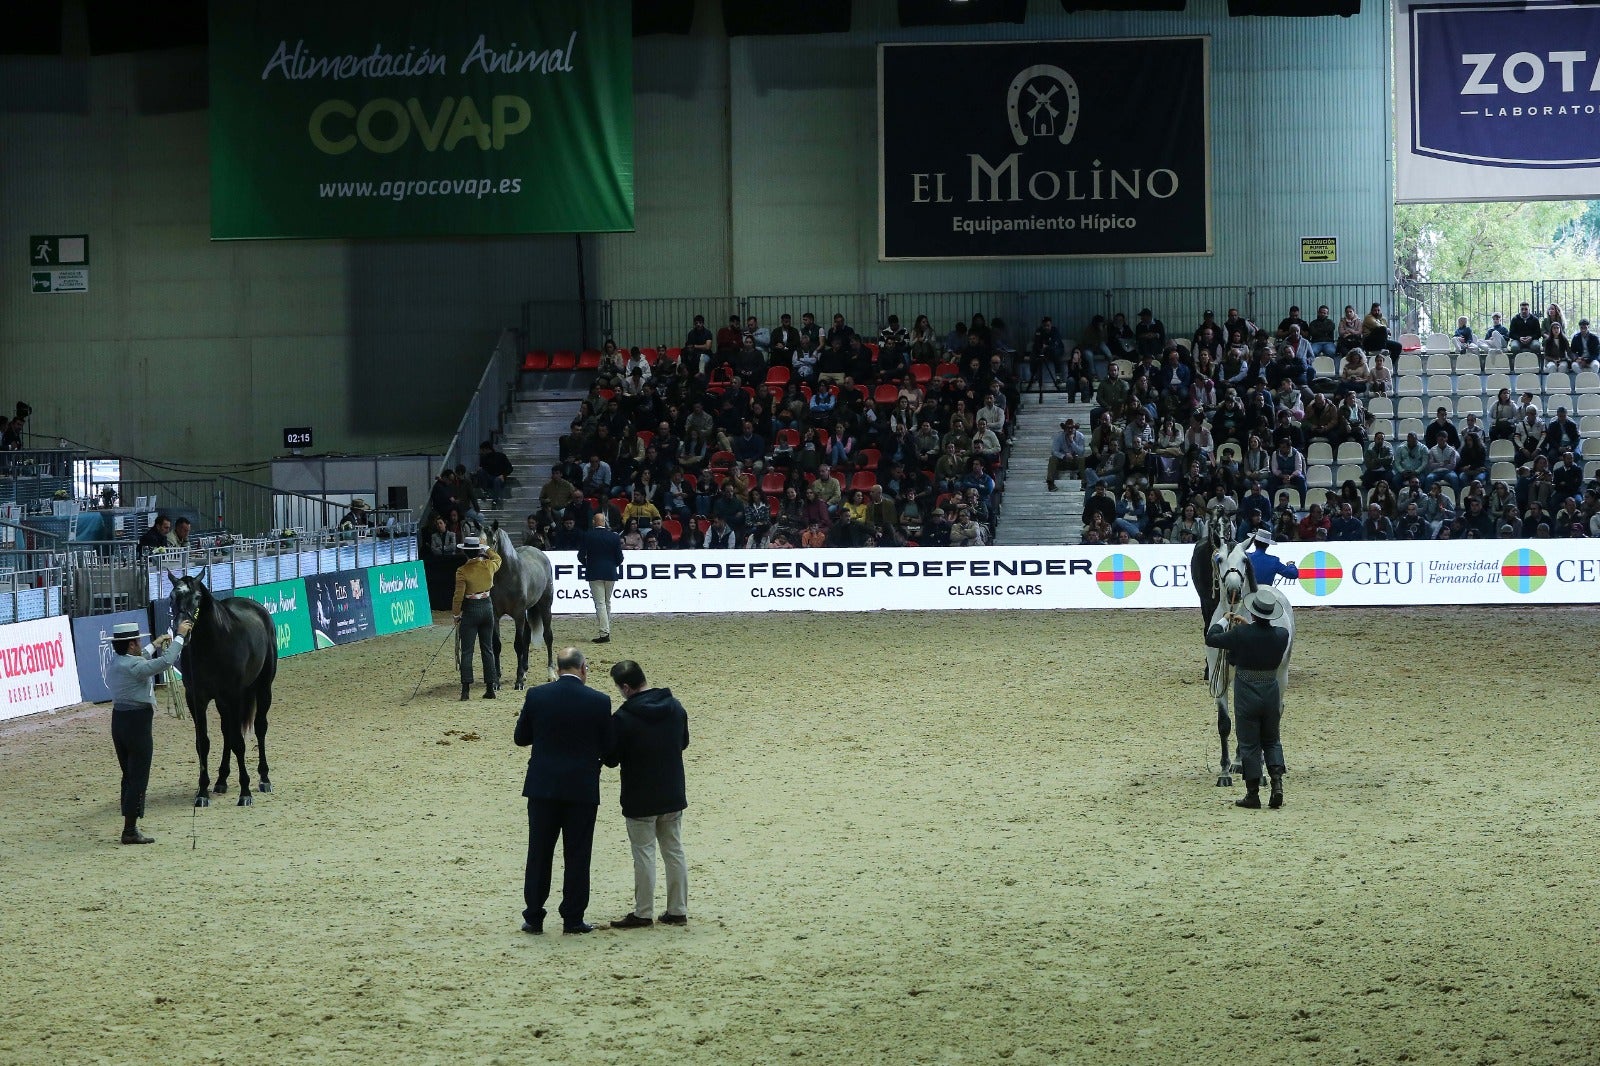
1045	148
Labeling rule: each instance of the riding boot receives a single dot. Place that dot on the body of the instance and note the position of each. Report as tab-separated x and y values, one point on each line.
1277	791
466	692
1252	795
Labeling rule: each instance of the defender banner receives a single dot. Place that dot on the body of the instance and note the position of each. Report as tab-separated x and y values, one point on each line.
1362	574
1497	100
410	119
1044	148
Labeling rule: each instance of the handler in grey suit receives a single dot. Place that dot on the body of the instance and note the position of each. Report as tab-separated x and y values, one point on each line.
1256	648
568	726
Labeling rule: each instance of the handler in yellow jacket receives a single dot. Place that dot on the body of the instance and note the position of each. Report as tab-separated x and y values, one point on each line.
474	613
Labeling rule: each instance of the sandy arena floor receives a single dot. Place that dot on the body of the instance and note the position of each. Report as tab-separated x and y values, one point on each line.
962	837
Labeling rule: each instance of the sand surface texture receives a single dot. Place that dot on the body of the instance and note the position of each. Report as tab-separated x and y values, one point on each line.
964	837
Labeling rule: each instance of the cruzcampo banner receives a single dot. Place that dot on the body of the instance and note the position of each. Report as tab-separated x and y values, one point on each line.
286	602
414	118
399	597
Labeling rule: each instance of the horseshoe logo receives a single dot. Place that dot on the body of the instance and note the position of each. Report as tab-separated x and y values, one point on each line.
1042	115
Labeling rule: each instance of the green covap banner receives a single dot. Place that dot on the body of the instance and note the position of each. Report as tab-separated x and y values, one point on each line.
415	118
285	601
399	597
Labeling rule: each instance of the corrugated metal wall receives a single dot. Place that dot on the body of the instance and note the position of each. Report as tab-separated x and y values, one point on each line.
185	349
1299	121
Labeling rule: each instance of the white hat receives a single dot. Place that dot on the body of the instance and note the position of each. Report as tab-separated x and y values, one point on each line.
471	543
126	631
1263	605
1262	536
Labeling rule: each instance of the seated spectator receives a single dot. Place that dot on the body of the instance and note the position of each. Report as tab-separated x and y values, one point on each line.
1585	347
440	540
1443	459
642	512
1498	330
1322	333
828	488
1312	524
358	517
1349	329
1557	349
719	534
1464	339
1375	333
1411	525
1560	435
1354	374
493	470
1345	526
1525	332
1289	466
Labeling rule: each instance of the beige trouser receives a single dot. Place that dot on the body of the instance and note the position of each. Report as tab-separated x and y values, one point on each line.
601	591
643	834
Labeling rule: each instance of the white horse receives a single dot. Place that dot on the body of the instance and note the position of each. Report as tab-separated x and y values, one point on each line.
1233	580
524	588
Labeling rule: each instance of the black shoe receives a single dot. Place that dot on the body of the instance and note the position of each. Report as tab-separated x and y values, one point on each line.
529	927
488	693
675	919
581	927
632	921
603	638
1251	800
134	836
1277	793
466	692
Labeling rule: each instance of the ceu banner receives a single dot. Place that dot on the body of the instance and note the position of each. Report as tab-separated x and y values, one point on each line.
341	607
285	601
38	669
1379	574
1497	100
412	118
1044	148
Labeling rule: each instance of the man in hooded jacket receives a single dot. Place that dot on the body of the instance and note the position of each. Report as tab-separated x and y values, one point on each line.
650	731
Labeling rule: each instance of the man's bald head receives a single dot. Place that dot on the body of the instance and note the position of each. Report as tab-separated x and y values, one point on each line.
571	661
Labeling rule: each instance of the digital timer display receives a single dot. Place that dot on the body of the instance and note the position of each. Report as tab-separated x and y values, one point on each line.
296	437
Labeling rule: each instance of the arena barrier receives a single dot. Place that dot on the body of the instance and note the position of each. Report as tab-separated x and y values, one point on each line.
38	671
1359	574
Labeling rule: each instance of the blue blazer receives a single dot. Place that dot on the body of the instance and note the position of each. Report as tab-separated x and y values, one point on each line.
568	725
600	552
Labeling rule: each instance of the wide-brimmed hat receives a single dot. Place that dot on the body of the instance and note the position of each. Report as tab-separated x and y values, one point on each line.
127	631
358	504
471	543
1262	536
1263	605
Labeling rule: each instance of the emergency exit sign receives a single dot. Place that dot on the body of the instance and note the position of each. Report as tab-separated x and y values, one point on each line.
58	262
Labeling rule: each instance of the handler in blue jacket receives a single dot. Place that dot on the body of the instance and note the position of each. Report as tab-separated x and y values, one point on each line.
131	677
1269	568
600	555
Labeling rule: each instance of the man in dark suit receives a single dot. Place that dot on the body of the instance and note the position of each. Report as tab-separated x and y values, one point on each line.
568	725
600	555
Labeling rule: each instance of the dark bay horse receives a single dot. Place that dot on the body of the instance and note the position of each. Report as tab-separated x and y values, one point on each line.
524	588
231	656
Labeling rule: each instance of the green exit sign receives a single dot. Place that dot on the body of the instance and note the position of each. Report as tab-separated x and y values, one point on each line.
53	250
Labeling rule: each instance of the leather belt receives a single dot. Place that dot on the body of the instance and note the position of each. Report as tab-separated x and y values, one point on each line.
477	595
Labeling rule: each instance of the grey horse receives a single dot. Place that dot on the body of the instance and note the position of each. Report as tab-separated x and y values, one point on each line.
524	588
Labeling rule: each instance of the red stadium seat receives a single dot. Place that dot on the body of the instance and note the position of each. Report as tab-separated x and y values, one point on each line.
650	355
606	394
777	508
536	360
921	373
589	360
772	483
886	394
674	354
565	359
822	439
750	391
645	436
946	370
778	375
866	393
674	528
692	481
871	457
701	525
805	392
721	459
789	438
872	347
863	480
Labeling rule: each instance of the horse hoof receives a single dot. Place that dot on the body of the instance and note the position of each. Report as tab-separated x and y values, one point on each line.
202	800
219	788
245	800
264	786
1224	781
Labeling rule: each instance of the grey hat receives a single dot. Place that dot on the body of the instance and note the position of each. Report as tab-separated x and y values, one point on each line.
127	631
1264	606
1262	536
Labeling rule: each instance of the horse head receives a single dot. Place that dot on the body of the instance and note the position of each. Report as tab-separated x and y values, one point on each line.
188	597
1235	575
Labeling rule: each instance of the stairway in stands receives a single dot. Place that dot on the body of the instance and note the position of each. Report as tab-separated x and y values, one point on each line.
537	420
1032	514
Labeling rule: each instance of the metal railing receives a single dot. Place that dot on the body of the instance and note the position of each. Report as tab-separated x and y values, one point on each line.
486	410
30	573
1434	306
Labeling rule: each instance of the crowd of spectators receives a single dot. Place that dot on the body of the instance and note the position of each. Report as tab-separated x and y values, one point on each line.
1230	411
793	435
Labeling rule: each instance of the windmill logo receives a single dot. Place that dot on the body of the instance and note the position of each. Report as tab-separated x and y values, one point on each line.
1117	576
1524	571
1321	573
1042	103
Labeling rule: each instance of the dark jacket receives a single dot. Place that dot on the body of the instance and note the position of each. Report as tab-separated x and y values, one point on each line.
1252	646
600	554
649	732
568	725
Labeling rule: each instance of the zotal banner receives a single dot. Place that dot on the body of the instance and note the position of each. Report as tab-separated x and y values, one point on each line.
414	118
1497	100
341	607
399	597
1044	148
38	668
286	602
